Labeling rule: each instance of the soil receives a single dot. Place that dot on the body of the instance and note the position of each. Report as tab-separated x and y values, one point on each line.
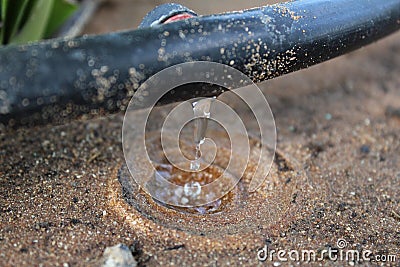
337	174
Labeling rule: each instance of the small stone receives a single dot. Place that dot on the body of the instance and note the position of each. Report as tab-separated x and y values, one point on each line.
118	256
364	149
328	116
392	112
292	128
45	143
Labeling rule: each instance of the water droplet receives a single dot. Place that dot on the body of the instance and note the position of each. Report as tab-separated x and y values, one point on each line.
201	111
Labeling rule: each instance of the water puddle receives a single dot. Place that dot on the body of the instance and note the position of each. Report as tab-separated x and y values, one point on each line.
237	212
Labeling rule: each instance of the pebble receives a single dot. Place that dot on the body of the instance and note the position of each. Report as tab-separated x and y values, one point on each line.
118	256
364	149
328	116
392	112
292	128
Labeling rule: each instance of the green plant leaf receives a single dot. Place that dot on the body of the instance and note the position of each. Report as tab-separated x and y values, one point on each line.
17	14
3	9
3	6
35	26
62	10
12	16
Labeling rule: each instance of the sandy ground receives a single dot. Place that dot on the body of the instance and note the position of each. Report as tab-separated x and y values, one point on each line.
338	123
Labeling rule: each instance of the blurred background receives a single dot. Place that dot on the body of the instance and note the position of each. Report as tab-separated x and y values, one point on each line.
115	15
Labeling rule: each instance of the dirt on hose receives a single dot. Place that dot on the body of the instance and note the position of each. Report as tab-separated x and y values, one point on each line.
62	204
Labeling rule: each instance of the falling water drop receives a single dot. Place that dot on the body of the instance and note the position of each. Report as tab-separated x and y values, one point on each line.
201	112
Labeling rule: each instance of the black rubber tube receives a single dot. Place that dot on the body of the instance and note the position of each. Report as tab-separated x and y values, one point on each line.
60	80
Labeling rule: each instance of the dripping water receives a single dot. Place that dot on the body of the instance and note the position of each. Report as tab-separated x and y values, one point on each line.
201	112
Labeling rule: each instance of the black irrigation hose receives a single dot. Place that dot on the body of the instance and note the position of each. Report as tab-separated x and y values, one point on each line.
60	80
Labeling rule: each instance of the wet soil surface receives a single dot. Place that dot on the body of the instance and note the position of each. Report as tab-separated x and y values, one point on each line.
338	124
